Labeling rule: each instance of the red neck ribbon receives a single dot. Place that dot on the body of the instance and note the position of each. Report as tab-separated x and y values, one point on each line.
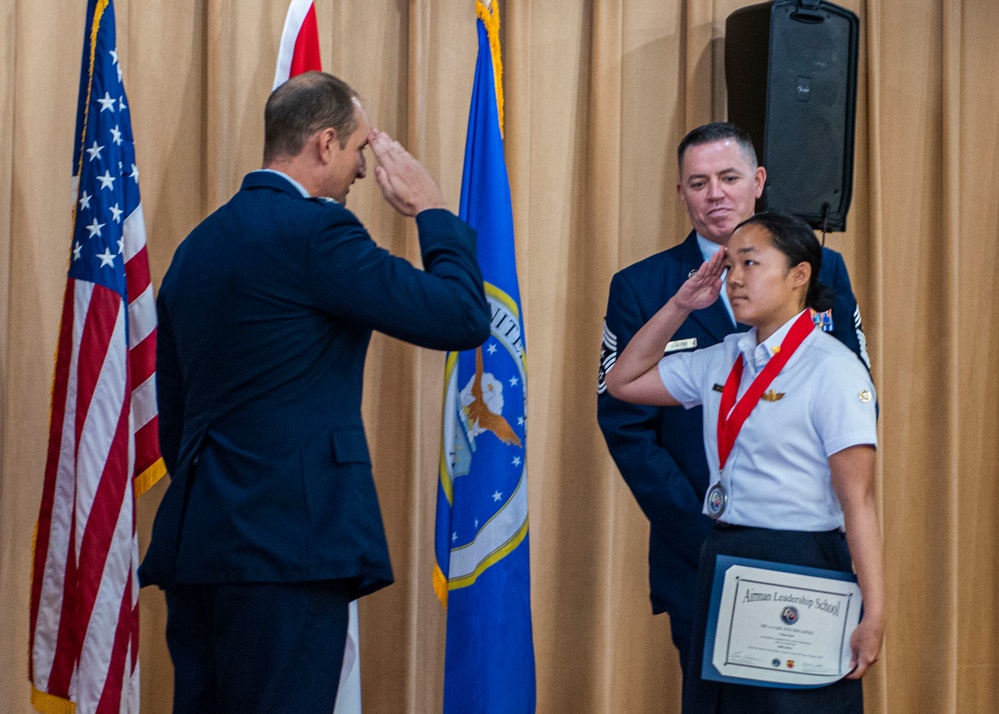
732	416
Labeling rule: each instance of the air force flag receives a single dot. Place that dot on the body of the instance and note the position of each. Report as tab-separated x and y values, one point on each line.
482	573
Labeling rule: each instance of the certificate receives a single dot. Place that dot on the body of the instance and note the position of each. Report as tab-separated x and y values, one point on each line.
776	625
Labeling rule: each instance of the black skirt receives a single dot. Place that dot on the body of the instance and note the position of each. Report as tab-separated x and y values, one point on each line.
816	550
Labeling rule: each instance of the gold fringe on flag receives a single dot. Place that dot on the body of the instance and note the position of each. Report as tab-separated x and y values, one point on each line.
490	18
440	585
50	704
148	478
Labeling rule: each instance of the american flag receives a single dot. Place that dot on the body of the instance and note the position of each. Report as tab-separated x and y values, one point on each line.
103	443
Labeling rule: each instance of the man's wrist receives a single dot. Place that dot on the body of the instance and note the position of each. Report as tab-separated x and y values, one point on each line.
430	205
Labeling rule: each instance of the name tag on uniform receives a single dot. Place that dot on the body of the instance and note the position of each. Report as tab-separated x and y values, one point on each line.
677	345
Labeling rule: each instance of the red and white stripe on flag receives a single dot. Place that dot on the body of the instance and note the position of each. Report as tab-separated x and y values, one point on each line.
299	48
298	53
103	433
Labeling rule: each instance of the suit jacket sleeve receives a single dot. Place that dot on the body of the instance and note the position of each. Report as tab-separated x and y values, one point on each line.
169	392
442	307
631	431
847	327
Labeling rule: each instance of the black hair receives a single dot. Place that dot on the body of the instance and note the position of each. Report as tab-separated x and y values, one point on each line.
303	105
718	131
795	239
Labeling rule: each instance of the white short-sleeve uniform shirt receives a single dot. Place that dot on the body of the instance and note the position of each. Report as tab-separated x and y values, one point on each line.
822	401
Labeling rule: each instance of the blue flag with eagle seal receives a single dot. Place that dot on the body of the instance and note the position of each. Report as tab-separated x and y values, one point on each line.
482	574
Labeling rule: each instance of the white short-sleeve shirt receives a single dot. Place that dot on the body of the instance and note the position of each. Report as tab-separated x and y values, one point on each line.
822	401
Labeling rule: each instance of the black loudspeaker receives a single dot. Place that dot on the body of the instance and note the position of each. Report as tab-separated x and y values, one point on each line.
791	70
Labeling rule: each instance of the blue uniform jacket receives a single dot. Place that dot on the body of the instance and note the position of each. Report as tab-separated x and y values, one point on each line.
660	450
264	320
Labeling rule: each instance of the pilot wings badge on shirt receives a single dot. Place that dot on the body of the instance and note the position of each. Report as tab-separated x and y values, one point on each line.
769	396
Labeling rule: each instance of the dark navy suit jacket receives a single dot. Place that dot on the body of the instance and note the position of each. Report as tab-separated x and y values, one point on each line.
660	450
264	320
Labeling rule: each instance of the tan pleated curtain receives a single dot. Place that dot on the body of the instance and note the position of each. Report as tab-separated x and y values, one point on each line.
598	94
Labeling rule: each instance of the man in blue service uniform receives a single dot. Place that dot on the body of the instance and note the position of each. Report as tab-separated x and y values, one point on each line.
660	450
271	523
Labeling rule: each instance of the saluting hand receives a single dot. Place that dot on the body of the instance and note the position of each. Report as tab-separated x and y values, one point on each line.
405	182
702	288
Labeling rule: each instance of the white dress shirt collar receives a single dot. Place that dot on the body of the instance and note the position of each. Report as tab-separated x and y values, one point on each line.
290	180
755	355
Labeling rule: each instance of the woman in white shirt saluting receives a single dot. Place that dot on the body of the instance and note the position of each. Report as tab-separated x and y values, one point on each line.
792	455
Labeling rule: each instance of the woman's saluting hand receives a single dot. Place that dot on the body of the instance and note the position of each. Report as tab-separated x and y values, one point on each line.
701	289
634	377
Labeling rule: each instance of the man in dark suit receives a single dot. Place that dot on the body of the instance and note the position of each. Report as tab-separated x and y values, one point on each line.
271	525
660	450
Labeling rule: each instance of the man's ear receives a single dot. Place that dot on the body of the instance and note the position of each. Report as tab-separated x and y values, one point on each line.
326	143
760	179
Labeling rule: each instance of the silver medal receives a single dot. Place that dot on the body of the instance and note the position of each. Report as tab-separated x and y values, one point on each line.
717	501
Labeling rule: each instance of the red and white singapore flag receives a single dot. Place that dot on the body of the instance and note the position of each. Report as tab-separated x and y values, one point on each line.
298	53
